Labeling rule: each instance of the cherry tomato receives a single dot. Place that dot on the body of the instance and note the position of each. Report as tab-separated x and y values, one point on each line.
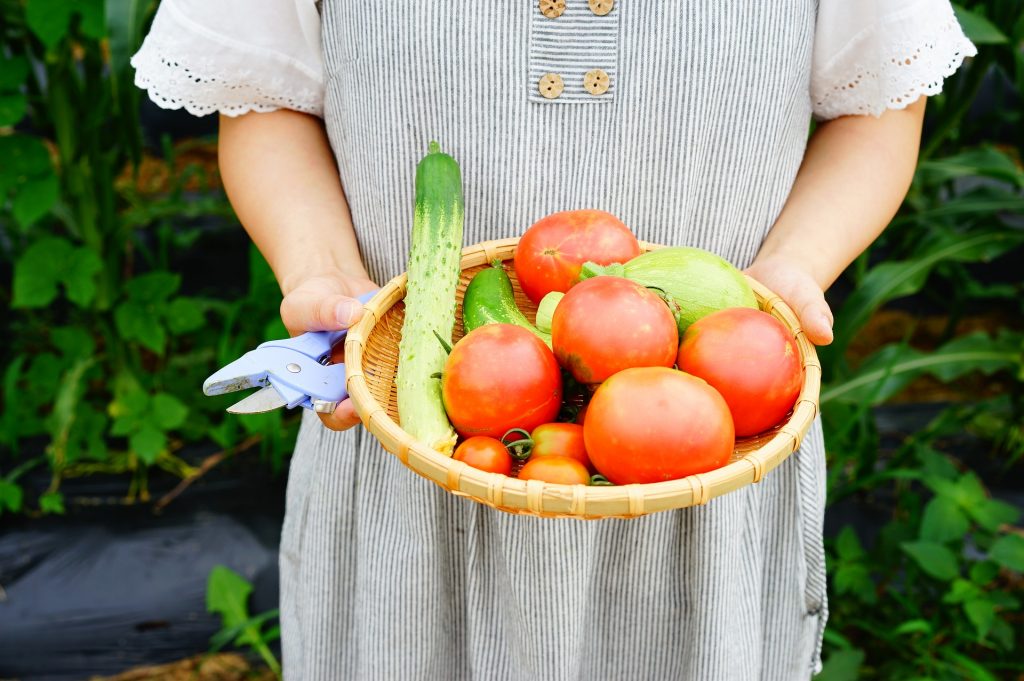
485	453
651	424
607	324
751	358
552	251
560	470
560	439
498	377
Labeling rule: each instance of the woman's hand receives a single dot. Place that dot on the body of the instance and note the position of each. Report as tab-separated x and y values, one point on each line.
324	302
798	288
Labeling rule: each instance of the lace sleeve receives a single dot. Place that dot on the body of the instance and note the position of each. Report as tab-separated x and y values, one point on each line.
874	55
269	60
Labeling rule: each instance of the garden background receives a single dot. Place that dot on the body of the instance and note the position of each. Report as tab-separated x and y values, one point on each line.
139	522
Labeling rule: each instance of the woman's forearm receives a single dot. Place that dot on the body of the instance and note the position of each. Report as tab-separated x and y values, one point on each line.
282	181
853	179
280	176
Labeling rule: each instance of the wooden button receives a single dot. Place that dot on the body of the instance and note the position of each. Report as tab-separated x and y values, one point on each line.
596	82
551	85
601	7
553	9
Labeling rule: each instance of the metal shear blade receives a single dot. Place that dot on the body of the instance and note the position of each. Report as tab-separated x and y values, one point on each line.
264	399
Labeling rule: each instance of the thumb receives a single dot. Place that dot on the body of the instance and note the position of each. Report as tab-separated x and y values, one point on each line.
311	311
815	316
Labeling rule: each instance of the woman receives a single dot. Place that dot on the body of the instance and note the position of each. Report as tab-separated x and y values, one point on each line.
689	122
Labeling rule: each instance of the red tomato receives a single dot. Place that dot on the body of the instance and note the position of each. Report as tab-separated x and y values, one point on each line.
751	358
485	453
607	324
559	439
560	470
498	377
651	424
551	252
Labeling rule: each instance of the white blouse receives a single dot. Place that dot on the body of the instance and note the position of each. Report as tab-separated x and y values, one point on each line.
235	56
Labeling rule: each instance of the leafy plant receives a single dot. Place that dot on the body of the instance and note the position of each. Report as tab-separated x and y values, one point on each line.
105	353
933	592
227	593
937	595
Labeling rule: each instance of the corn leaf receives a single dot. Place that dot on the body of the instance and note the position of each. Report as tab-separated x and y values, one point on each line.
905	277
893	367
983	161
980	30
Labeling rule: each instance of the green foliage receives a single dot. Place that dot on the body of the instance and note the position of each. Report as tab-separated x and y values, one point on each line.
227	593
48	262
105	356
10	497
936	594
893	367
843	665
980	30
945	574
899	278
27	178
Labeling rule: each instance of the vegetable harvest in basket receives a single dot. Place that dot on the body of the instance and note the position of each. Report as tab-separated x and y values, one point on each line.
645	368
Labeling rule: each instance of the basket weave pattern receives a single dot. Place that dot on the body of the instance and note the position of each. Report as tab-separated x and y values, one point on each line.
371	358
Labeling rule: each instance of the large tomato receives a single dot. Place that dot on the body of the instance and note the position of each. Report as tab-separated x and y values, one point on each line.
652	424
751	358
498	377
607	324
551	252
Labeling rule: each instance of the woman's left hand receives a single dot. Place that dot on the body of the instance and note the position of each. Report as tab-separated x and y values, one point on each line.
797	287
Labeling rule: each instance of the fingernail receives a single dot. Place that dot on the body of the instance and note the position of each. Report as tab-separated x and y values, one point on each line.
345	312
826	327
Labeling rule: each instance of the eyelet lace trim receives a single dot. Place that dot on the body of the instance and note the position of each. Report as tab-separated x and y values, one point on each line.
913	66
178	77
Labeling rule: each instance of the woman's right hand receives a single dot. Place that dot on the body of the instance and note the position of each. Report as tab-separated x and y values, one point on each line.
325	302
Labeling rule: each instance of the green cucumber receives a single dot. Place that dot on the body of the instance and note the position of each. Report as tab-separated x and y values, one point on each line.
489	299
433	275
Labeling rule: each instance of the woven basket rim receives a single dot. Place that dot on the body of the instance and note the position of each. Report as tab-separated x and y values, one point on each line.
579	501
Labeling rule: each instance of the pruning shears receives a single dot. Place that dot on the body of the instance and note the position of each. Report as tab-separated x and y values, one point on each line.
292	372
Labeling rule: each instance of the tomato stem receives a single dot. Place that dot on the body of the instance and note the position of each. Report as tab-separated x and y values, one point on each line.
598	479
518	449
673	306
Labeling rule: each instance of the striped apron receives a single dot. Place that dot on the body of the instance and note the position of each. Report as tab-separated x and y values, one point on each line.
688	120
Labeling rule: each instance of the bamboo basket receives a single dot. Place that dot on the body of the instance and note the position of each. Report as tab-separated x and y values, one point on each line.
371	358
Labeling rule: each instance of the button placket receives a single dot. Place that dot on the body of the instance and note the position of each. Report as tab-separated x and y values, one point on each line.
573	55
